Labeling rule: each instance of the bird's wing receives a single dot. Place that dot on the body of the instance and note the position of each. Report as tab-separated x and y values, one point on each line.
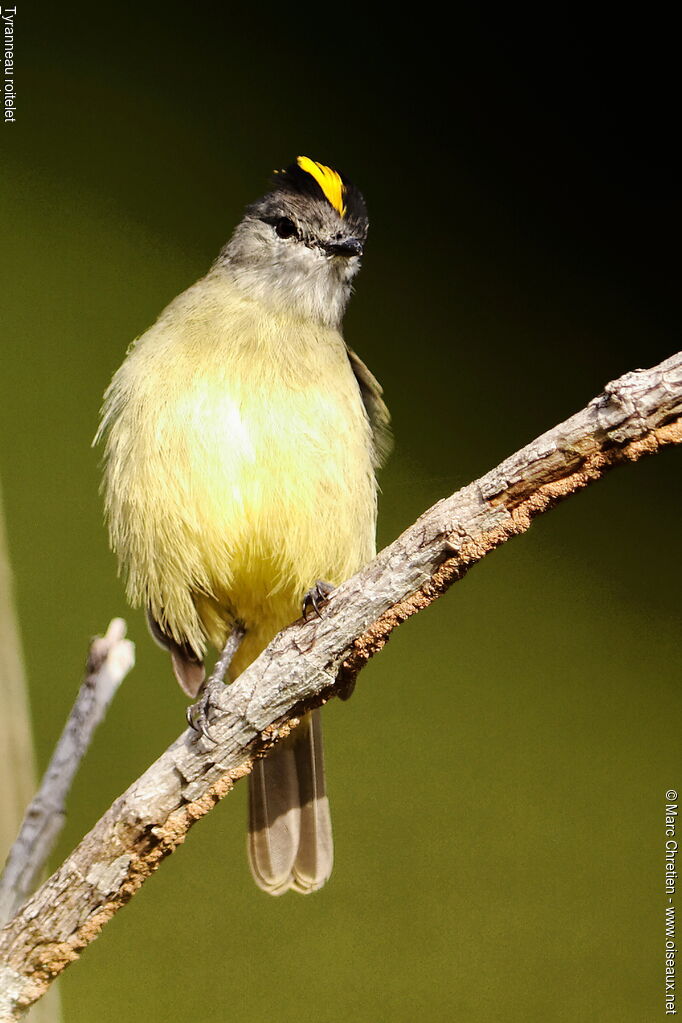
187	664
377	412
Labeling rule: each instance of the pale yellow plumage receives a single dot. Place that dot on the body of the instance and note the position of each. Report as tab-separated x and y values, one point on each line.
238	466
241	442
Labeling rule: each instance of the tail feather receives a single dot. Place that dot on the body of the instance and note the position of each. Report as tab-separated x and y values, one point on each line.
315	857
290	836
274	820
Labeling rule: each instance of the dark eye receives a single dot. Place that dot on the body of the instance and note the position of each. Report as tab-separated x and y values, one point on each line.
285	228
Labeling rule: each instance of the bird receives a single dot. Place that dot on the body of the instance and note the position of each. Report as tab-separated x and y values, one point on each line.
242	438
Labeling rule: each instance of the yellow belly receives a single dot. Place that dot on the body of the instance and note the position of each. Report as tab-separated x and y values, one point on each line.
238	470
295	503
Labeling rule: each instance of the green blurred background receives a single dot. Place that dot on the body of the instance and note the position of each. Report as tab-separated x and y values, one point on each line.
498	779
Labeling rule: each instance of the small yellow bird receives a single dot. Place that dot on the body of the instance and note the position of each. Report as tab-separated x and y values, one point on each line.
242	439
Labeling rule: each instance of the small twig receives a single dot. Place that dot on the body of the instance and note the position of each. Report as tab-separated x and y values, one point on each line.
16	741
110	658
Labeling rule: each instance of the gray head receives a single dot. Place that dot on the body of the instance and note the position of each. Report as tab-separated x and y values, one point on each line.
299	247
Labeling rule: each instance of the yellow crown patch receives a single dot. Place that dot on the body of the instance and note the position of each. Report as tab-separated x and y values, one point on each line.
329	181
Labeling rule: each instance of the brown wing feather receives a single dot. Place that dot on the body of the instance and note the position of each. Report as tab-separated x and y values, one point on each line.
187	665
375	406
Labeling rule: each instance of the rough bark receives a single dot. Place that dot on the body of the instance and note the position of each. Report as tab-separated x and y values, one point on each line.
311	661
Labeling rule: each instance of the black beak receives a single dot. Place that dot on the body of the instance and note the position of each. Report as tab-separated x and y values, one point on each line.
344	247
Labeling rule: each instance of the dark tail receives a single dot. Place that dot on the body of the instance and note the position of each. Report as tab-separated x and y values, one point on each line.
290	831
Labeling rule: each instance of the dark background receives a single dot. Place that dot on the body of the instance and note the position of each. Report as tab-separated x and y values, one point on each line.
498	780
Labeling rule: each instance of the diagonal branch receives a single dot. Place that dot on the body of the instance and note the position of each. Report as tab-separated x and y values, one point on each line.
309	662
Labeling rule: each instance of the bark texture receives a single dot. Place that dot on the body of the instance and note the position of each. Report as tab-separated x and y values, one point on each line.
311	661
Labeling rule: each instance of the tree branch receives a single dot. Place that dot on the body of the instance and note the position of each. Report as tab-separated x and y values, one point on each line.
16	740
110	658
309	662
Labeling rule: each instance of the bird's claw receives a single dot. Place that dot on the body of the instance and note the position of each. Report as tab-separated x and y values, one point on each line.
316	597
197	713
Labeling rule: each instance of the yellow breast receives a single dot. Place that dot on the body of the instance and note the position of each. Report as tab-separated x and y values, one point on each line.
238	466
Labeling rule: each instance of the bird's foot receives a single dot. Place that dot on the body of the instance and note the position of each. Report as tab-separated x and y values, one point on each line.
316	597
198	713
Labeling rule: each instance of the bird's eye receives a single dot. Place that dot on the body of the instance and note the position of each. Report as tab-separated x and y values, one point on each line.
285	228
